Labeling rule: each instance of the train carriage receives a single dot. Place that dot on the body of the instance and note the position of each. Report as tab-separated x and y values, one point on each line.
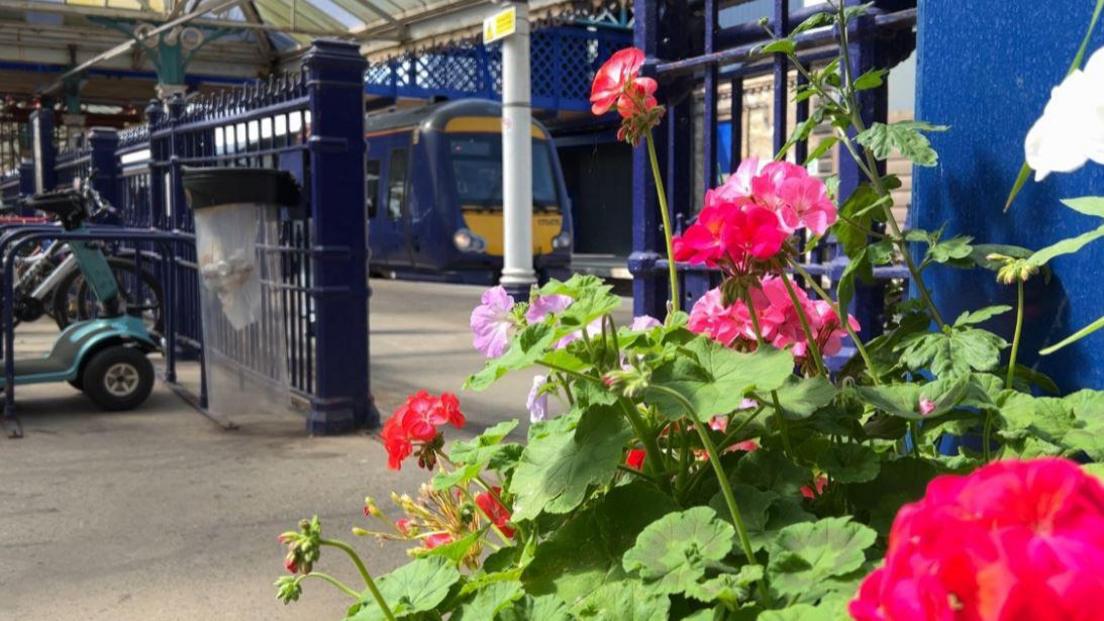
434	193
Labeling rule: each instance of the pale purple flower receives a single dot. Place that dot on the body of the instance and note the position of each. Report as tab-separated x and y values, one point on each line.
644	322
926	406
491	323
537	402
541	305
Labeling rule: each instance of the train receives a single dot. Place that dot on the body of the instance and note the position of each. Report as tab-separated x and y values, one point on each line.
433	187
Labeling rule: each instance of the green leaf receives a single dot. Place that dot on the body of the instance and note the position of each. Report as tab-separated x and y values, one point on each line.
485	450
463	475
970	318
858	267
801	397
1088	205
822	147
871	79
1064	247
900	481
564	460
981	253
1044	418
954	353
526	348
671	554
418	586
718	381
543	608
1021	179
903	400
490	601
856	209
798	612
952	251
1073	338
1088	410
804	556
779	46
771	470
454	551
586	551
905	137
728	589
591	297
764	512
816	20
850	463
624	600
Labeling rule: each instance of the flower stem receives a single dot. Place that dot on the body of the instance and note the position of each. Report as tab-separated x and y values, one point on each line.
675	302
810	338
371	584
1016	334
341	586
840	313
779	419
654	462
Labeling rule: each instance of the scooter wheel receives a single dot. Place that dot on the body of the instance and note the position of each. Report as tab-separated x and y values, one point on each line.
118	378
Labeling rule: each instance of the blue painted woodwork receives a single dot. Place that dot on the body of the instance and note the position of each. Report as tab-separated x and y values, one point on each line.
989	80
564	59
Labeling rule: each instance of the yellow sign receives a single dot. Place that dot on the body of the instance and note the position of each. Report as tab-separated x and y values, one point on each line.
499	25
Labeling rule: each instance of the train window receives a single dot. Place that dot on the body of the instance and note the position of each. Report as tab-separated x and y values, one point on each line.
477	170
371	185
396	184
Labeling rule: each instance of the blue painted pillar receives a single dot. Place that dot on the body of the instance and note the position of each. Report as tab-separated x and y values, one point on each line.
26	185
986	68
105	165
335	80
43	147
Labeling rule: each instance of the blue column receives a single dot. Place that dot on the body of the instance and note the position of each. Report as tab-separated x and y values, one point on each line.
43	147
335	80
105	165
986	69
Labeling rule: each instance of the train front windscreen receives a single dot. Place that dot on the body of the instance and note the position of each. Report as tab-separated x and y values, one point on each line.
476	161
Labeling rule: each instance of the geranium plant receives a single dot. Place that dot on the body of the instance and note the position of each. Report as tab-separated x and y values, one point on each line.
720	464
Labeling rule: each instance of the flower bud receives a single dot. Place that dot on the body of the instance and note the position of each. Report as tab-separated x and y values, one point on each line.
370	508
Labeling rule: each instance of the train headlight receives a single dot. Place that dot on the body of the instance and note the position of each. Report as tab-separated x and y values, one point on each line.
467	241
562	241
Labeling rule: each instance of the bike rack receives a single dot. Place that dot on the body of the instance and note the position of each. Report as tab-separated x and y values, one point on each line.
13	237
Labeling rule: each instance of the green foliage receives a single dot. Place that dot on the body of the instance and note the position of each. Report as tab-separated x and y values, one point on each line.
672	554
954	352
418	586
624	600
904	137
564	458
805	557
713	379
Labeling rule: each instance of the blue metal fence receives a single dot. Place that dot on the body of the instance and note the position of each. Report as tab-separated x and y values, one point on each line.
684	62
309	123
564	59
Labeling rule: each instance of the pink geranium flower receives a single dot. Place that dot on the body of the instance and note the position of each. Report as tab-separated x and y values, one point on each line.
1013	540
618	83
543	305
804	202
491	322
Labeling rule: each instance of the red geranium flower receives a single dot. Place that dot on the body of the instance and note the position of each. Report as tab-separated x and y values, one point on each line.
437	539
616	75
1013	540
416	421
635	459
493	507
730	234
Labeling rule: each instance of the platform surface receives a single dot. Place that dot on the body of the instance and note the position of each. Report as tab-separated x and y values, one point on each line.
159	514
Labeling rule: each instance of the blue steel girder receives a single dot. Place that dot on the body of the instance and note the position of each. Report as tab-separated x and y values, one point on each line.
563	60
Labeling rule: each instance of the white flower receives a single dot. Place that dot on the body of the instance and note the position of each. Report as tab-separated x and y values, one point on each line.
1071	130
537	401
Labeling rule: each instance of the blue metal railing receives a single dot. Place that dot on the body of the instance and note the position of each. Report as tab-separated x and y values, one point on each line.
309	123
683	65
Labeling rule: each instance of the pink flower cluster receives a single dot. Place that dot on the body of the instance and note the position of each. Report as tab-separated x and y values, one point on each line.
778	319
749	217
1013	540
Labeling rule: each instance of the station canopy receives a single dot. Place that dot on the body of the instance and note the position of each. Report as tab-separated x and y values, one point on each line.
111	52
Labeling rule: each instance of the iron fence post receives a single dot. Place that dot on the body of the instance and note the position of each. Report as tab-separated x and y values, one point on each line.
335	83
43	148
103	142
